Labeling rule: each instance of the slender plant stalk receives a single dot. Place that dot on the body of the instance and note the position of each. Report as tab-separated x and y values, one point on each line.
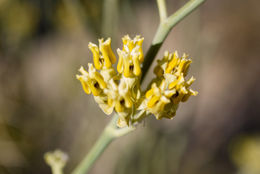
162	9
104	140
165	26
111	131
108	135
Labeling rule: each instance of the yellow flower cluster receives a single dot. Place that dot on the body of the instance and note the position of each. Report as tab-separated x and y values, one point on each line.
120	91
169	87
115	91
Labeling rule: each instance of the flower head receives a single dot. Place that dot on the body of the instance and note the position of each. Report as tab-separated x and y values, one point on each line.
169	87
121	92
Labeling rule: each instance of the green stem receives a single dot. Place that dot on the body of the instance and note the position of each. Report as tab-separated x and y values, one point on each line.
56	170
108	135
164	29
104	140
162	9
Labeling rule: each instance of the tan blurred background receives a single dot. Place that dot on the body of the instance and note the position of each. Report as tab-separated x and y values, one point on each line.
43	107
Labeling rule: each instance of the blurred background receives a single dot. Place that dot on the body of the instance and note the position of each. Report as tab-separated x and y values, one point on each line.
43	107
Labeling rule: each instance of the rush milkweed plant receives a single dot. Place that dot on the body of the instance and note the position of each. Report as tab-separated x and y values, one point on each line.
119	89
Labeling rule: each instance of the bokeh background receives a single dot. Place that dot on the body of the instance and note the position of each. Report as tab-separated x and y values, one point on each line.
43	107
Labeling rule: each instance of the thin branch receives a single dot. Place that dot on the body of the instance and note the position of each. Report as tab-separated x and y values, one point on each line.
164	29
104	140
162	9
183	12
123	131
108	135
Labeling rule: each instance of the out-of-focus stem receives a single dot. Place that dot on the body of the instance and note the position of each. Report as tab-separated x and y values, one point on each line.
109	18
56	170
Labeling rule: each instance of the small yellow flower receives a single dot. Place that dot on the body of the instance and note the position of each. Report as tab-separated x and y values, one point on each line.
103	57
91	81
121	92
130	57
157	98
120	96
